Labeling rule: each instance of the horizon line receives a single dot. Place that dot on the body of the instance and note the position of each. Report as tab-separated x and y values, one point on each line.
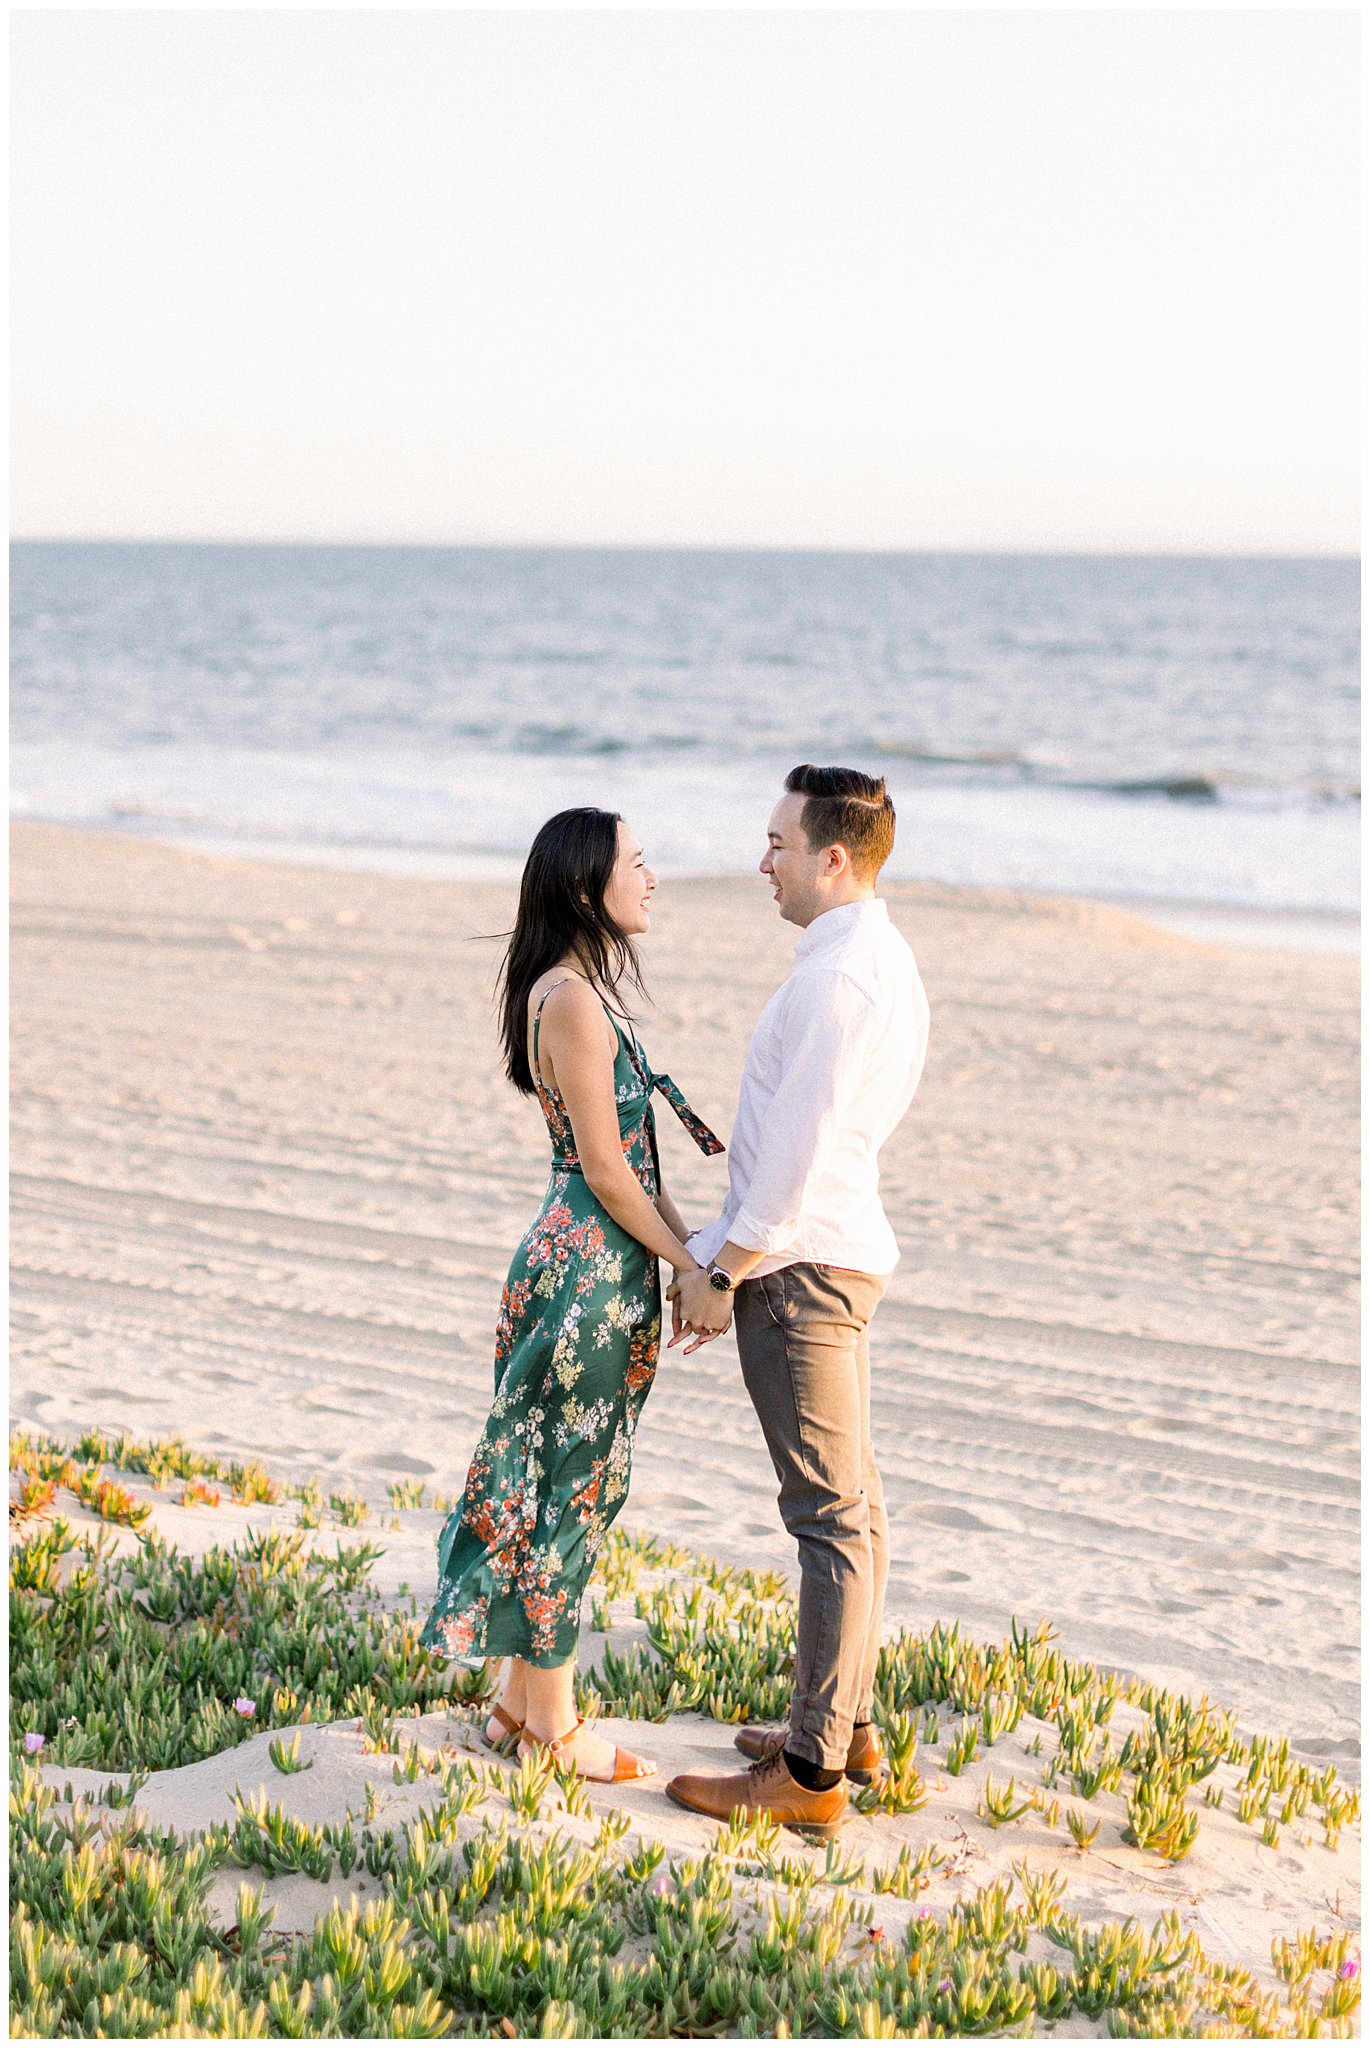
996	552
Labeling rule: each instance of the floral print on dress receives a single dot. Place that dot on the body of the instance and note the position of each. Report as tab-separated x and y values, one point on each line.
576	1346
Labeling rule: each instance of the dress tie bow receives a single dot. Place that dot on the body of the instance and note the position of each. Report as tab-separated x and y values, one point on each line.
695	1125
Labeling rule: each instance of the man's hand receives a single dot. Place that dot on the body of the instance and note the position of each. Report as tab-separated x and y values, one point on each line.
701	1308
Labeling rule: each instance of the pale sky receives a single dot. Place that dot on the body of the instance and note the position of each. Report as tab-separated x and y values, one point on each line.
907	279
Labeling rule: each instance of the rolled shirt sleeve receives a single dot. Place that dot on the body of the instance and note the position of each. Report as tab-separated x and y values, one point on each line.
826	1031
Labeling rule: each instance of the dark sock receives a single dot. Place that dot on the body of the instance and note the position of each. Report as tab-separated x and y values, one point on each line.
812	1777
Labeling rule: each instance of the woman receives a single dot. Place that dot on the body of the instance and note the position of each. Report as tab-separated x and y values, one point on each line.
580	1322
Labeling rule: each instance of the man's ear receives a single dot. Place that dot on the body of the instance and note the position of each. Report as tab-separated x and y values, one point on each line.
838	861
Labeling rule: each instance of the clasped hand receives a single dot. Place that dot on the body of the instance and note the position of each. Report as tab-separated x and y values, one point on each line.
697	1309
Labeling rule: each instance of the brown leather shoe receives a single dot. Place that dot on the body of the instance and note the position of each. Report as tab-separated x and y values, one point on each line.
864	1757
766	1788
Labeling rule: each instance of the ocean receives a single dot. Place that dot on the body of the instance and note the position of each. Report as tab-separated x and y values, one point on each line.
1170	731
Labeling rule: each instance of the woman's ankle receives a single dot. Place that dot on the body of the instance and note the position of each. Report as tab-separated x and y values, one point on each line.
559	1729
512	1696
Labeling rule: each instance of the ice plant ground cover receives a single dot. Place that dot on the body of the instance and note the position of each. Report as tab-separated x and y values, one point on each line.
245	1802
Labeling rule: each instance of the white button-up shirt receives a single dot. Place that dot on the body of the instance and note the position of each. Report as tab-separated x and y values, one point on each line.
832	1066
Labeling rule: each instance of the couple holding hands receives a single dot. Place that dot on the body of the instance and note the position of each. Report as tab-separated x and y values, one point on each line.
798	1261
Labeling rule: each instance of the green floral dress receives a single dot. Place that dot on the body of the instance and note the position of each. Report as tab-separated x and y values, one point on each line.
575	1353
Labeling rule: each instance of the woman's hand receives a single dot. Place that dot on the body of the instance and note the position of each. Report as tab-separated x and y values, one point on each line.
673	1296
697	1309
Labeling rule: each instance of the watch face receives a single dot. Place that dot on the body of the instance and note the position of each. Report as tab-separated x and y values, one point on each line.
720	1283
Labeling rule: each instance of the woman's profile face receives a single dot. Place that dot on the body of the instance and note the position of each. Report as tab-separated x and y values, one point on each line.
628	896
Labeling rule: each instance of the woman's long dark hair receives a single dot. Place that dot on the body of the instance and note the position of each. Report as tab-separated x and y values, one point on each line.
561	910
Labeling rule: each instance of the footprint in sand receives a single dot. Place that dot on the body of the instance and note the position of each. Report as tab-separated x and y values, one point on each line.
940	1515
1238	1561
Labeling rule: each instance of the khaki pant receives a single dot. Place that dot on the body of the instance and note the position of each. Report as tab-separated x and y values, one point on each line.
802	1339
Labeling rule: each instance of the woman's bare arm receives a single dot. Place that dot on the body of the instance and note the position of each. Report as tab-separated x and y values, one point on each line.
583	1064
674	1220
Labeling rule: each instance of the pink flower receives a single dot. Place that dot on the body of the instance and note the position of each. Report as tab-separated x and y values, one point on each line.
33	1743
662	1887
1350	1968
247	1708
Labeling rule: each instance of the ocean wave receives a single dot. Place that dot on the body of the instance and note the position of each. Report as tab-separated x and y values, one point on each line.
1188	786
557	740
554	657
1214	789
936	757
1189	789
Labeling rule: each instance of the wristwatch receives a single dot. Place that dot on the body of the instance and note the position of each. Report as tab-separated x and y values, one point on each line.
720	1279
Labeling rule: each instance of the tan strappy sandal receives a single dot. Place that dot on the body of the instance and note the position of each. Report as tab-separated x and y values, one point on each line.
503	1745
626	1765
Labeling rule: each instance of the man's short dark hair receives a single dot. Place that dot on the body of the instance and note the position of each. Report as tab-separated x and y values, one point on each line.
846	808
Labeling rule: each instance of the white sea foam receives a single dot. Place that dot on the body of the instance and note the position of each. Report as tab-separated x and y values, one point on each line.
477	814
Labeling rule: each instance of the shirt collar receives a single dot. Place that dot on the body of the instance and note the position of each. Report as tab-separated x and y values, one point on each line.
832	925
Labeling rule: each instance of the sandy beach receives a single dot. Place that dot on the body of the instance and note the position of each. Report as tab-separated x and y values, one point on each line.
268	1179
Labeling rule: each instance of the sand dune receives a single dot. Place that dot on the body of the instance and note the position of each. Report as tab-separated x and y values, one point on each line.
1232	1891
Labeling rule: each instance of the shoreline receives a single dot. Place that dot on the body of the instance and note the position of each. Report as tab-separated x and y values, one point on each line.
1232	925
268	1182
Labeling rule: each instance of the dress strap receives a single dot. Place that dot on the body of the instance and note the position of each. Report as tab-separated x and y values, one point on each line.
537	1015
537	1021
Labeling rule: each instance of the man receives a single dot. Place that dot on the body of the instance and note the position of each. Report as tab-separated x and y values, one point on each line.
803	1251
